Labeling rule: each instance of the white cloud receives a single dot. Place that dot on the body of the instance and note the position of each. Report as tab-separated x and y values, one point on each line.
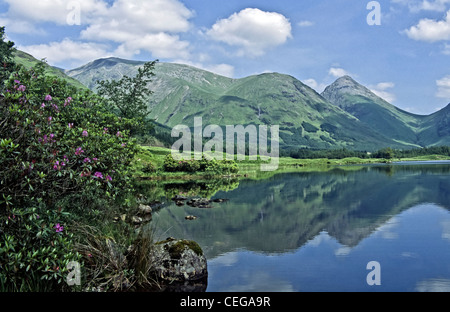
55	11
305	24
253	30
424	5
313	84
338	72
143	25
219	69
132	25
161	45
431	30
380	90
443	85
77	53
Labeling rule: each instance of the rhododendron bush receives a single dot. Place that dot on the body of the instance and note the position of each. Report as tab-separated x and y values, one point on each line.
62	155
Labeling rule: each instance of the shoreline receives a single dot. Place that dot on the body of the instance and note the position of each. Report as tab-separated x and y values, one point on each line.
251	168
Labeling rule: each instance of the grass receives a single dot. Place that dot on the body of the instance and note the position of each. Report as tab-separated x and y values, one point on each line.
155	156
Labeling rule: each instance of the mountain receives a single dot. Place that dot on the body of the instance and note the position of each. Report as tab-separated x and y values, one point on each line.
435	129
182	92
28	61
385	118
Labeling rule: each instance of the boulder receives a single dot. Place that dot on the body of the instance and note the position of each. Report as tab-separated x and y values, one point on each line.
145	209
178	261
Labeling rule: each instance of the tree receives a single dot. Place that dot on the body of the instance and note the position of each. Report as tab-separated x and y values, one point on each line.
7	64
127	96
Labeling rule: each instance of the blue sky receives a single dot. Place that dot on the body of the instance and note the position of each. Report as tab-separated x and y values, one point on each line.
405	59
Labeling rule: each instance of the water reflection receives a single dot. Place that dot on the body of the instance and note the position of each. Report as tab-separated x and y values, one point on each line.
316	231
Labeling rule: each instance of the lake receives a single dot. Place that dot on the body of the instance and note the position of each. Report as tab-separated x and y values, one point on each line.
317	231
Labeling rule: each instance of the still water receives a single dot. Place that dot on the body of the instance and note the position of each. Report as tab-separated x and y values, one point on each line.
317	231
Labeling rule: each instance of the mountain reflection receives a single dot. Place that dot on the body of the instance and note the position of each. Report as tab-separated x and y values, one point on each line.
282	213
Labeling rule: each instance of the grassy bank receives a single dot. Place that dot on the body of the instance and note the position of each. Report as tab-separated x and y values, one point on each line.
148	164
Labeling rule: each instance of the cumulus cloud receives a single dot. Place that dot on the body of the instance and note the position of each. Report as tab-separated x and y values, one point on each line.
431	30
252	30
67	50
143	25
56	11
338	72
380	90
424	5
133	26
443	86
220	69
313	84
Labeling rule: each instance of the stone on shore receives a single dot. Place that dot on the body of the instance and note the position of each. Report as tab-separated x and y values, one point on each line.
178	261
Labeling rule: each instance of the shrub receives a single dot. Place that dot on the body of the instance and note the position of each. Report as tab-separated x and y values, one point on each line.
62	157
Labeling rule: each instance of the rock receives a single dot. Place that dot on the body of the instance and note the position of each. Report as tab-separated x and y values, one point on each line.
178	261
136	220
179	203
144	209
220	200
199	203
178	197
190	217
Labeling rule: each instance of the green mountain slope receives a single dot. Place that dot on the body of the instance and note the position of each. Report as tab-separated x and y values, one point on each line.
374	111
183	92
29	61
383	117
435	128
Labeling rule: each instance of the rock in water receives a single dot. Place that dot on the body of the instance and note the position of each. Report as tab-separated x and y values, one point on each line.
178	261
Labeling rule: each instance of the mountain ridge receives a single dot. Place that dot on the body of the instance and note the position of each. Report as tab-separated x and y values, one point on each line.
345	115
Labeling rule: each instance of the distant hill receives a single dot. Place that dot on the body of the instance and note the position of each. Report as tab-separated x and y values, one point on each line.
29	61
385	118
346	114
182	92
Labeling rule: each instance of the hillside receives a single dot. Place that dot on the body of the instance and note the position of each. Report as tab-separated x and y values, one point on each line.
29	61
183	92
385	118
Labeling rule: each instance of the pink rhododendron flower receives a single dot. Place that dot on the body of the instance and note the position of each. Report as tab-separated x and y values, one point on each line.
58	227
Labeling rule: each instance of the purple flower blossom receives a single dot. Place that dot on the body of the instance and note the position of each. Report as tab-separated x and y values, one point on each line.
70	125
42	105
79	151
17	81
67	101
85	133
22	88
87	159
58	227
98	175
118	134
108	177
48	97
50	118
